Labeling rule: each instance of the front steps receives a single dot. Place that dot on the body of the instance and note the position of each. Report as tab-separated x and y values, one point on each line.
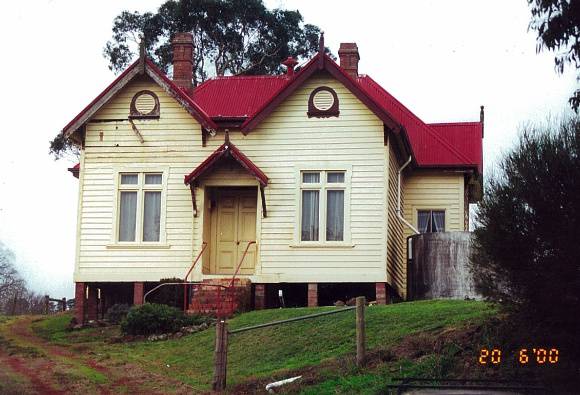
216	297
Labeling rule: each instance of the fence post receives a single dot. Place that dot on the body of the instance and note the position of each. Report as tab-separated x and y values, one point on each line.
220	356
360	331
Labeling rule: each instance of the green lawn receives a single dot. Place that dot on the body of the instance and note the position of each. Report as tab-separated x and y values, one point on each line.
274	351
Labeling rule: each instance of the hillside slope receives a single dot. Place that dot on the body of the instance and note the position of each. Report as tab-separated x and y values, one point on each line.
402	339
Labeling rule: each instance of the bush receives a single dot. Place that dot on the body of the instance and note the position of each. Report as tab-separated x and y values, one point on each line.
152	318
526	245
117	312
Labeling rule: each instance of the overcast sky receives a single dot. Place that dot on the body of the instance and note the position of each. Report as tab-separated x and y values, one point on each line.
442	59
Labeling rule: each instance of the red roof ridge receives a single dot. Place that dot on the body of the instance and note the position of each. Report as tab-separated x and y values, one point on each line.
418	120
466	123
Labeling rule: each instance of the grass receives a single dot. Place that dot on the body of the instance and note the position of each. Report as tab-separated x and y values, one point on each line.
275	351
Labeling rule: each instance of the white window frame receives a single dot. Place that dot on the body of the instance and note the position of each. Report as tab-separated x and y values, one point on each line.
431	209
323	186
140	188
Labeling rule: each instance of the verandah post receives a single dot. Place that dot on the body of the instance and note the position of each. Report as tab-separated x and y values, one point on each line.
220	356
360	331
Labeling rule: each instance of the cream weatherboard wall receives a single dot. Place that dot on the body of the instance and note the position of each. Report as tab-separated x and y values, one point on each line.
282	145
429	190
173	146
396	249
287	142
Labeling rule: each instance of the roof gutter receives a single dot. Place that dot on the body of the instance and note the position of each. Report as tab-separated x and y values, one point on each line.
403	220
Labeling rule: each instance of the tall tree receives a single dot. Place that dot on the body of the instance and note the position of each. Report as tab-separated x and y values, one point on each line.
230	36
557	23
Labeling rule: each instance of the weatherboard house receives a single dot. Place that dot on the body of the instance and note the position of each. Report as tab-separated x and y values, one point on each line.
307	182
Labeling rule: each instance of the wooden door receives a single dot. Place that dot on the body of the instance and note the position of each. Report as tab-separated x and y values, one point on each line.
234	225
247	231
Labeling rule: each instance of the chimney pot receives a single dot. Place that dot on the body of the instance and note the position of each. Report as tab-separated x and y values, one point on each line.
349	57
182	47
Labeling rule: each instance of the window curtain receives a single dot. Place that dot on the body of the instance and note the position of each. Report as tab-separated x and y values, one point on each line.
335	216
153	179
309	231
311	178
151	216
438	221
423	220
127	216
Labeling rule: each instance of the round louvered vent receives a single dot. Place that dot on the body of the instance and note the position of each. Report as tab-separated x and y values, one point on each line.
323	100
145	103
323	103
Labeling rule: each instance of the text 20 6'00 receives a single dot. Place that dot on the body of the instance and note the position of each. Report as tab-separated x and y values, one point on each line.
524	356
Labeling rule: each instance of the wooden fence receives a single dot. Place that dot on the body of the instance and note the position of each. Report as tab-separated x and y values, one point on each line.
222	334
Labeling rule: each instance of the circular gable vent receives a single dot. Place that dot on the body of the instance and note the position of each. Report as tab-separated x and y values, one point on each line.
323	103
323	100
145	104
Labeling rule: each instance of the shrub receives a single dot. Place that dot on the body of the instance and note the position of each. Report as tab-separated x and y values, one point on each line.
117	312
152	318
526	245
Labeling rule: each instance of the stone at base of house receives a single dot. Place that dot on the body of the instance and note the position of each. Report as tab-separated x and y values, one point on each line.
259	296
80	302
312	294
86	302
382	295
138	288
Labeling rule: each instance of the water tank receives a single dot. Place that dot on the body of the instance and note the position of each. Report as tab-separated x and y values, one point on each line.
437	266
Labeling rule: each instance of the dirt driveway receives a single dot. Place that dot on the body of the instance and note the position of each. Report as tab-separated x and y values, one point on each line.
31	365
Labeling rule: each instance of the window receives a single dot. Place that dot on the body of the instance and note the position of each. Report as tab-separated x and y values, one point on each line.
430	221
322	201
139	207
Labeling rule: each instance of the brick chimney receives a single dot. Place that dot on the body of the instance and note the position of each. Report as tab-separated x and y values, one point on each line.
349	57
182	46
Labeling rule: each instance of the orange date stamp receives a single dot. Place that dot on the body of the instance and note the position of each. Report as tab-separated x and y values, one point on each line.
524	356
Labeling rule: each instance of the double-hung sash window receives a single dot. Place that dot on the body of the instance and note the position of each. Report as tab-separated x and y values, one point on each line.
139	218
431	221
322	206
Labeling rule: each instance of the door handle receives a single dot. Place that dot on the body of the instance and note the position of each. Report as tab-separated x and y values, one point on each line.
238	242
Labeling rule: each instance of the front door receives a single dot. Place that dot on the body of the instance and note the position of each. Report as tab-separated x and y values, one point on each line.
233	222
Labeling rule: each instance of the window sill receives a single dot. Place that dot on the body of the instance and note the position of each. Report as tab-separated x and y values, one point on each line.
321	245
138	246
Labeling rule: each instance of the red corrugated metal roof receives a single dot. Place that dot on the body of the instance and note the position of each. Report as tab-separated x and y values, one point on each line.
465	136
236	97
429	146
225	150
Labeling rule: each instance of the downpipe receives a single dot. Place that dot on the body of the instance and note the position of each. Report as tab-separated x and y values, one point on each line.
403	220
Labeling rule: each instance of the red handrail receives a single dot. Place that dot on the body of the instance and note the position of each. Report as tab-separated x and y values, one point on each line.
241	260
203	245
